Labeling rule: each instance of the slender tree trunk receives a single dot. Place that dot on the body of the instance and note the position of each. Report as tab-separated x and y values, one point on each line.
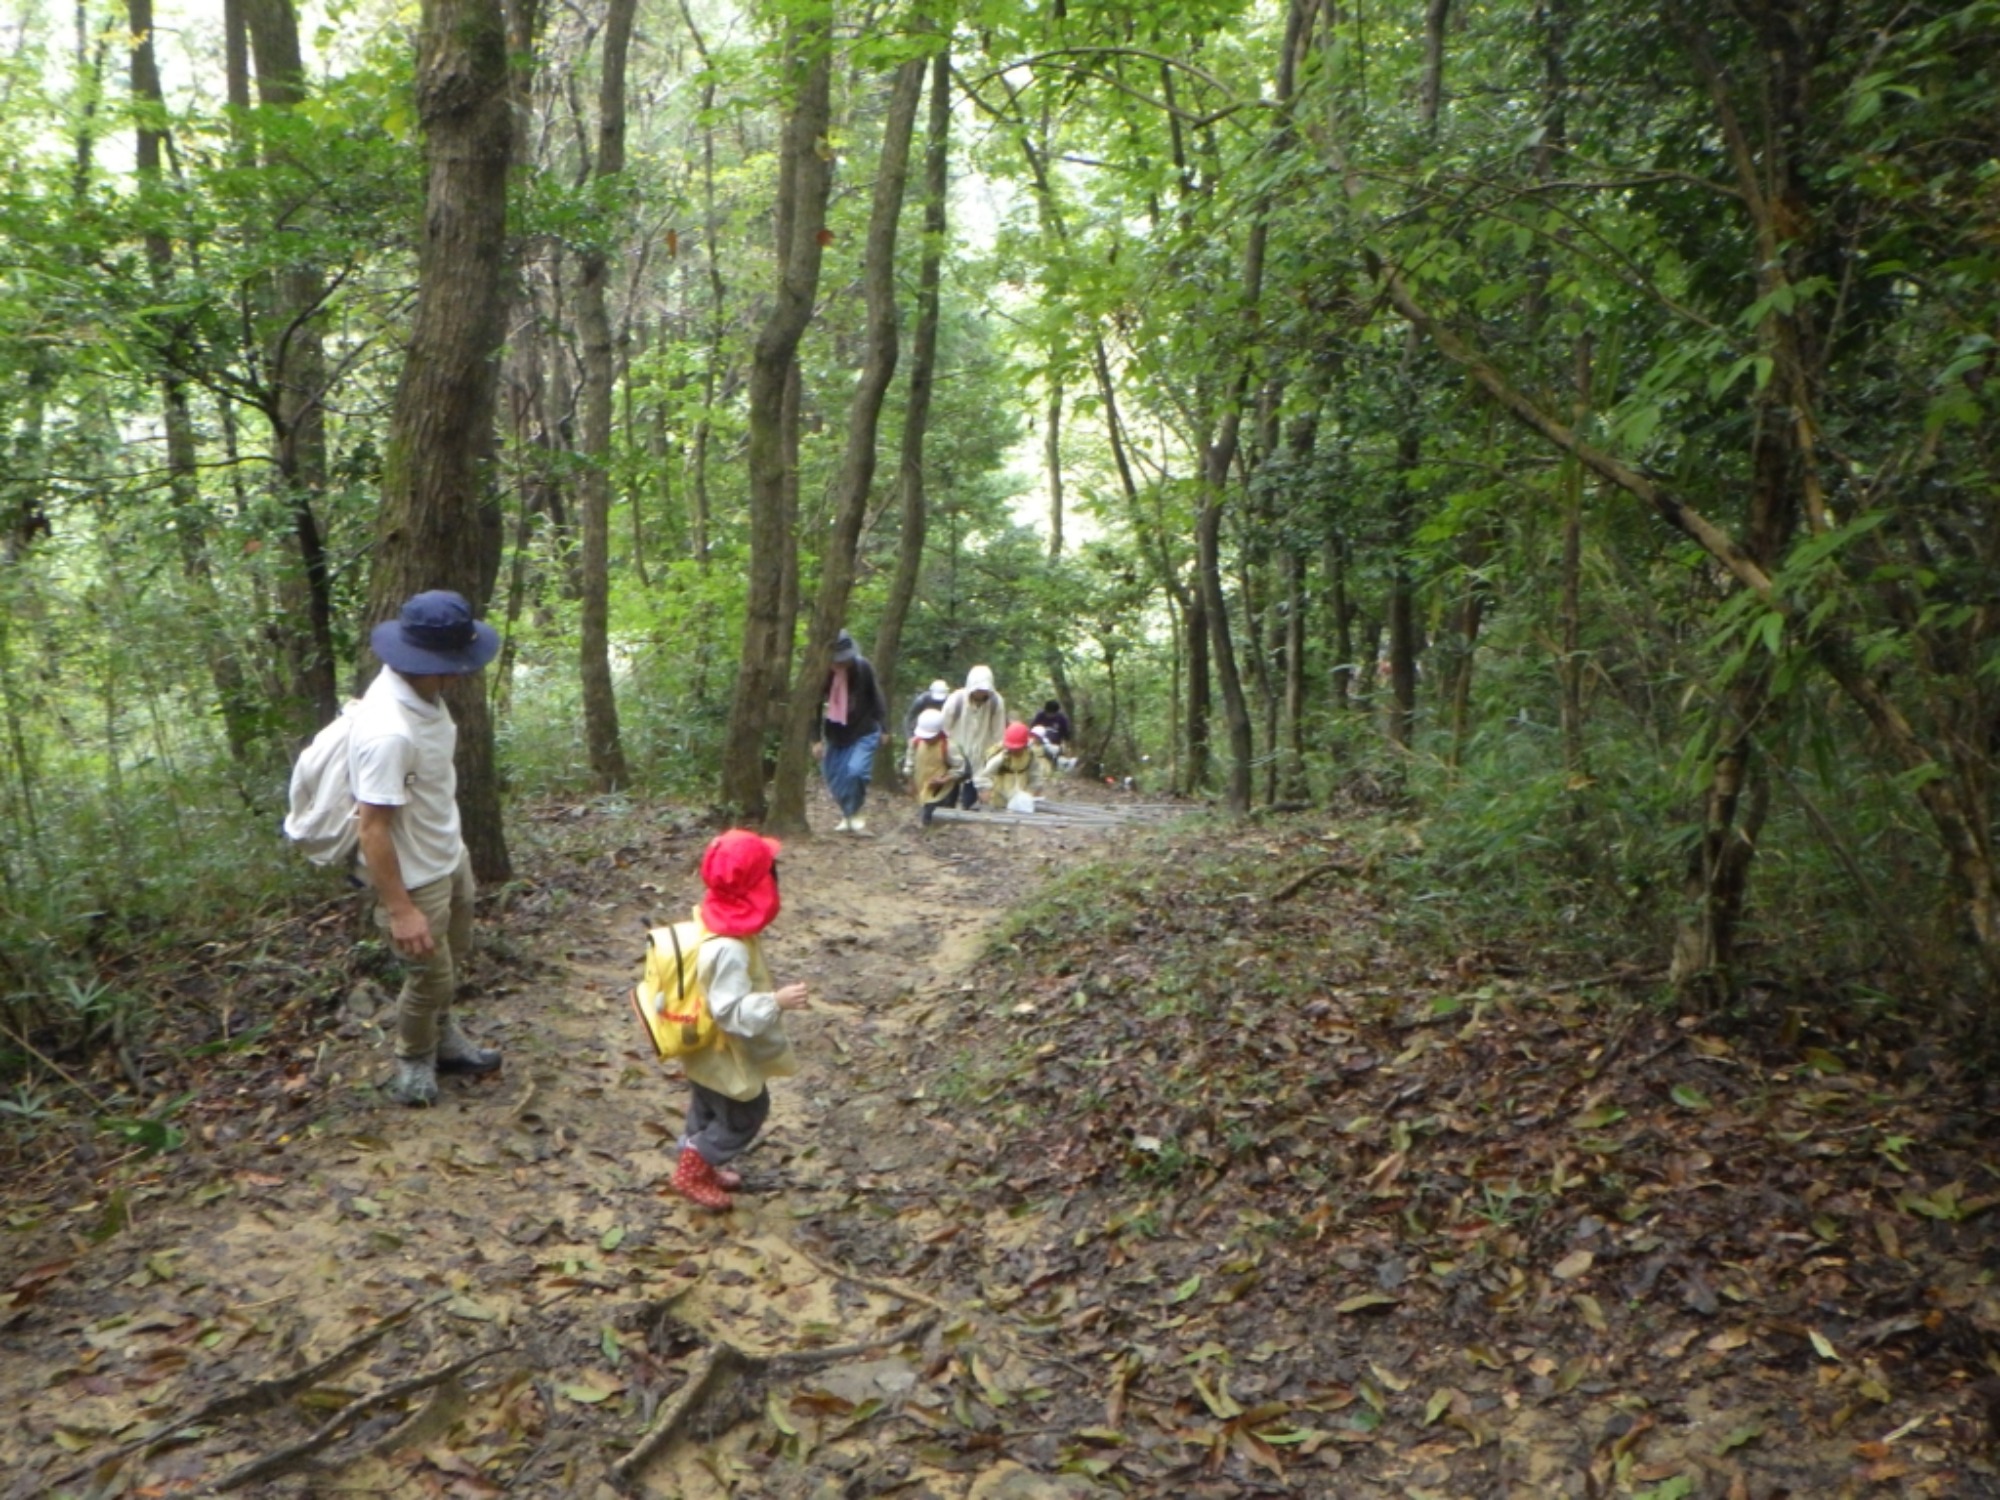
1190	660
600	697
428	535
1402	605
1254	576
914	515
1717	880
1200	699
718	324
190	522
1177	634
1292	785
1219	450
294	349
1474	592
857	468
805	179
1340	617
525	404
1257	651
652	431
1052	466
1569	667
1301	439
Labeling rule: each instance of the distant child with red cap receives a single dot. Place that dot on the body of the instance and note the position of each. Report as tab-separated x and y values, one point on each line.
731	1103
1015	767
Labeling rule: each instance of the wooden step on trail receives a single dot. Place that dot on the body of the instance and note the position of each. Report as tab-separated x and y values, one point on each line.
1048	814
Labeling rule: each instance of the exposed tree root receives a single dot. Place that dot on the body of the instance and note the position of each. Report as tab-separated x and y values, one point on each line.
1291	888
285	1460
886	1288
261	1395
721	1367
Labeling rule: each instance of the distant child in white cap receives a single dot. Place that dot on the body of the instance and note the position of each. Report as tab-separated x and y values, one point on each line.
931	697
937	766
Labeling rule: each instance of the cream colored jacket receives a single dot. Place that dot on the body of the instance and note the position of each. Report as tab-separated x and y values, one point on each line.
750	1044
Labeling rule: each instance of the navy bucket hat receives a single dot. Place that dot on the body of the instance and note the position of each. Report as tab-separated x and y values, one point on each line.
435	635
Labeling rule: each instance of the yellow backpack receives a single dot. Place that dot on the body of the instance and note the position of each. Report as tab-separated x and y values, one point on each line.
668	1000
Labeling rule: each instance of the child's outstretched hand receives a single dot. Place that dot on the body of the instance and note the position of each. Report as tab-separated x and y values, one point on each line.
792	997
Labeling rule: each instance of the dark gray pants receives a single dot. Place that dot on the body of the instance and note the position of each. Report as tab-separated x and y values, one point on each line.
721	1128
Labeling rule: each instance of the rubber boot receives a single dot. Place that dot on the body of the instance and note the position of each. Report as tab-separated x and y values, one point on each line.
415	1083
695	1180
729	1177
458	1053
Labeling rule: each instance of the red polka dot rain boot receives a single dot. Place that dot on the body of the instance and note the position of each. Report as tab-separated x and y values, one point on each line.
695	1180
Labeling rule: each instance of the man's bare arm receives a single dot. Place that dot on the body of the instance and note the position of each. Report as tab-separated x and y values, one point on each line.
409	928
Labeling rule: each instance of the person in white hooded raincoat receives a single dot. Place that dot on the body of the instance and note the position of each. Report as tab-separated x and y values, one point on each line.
975	720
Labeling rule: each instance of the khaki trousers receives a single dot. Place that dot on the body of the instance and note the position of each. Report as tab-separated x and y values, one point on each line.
428	985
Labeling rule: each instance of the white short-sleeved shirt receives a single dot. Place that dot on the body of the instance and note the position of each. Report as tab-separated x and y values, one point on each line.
400	756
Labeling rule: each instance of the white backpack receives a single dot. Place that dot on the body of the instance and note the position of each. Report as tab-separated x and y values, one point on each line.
323	821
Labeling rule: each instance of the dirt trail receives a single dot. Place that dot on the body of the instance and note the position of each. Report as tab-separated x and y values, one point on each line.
1426	1230
525	1215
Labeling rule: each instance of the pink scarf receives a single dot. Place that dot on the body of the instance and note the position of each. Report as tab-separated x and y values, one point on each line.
836	697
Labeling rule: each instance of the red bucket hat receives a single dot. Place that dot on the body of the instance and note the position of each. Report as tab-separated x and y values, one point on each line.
1016	737
740	869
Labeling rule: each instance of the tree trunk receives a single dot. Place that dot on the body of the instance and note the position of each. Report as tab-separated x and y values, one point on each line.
429	531
914	514
1474	591
1718	875
189	521
857	467
1292	786
1219	450
600	698
718	325
1569	667
1301	438
1340	615
805	179
294	349
1052	466
1200	700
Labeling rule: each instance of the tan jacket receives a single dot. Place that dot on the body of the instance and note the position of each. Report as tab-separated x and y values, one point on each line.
931	760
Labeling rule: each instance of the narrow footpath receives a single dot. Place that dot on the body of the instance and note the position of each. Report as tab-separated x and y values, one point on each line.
523	1225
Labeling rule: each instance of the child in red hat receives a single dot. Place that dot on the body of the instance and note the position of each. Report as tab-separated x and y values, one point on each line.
731	1102
1015	767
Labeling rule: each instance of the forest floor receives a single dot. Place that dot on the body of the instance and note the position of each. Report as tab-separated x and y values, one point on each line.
1136	1160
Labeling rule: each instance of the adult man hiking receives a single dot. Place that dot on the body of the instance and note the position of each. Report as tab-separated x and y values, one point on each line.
412	850
850	728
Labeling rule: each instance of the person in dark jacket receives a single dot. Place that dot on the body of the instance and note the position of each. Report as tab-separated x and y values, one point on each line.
1054	726
931	697
850	730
